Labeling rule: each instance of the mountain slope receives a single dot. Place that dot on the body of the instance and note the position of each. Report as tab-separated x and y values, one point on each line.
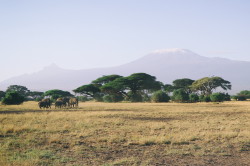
166	65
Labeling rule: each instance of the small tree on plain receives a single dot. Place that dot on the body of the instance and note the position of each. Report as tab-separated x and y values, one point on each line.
217	97
204	98
160	96
13	98
193	98
180	95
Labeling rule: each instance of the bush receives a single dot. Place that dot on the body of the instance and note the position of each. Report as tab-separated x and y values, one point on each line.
245	93
241	98
82	98
112	98
193	98
98	97
134	97
146	98
227	97
204	98
180	95
160	96
217	97
13	98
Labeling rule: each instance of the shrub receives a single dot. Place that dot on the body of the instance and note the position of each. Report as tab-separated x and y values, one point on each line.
98	97
160	96
227	97
82	98
107	99
234	97
193	98
13	98
245	93
180	95
146	98
217	97
112	98
204	98
241	98
134	97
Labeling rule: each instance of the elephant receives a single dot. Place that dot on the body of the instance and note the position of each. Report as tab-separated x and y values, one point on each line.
73	102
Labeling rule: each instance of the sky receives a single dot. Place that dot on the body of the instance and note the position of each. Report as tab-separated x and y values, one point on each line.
83	34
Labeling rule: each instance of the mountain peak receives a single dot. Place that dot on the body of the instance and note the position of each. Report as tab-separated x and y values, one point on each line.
52	66
172	51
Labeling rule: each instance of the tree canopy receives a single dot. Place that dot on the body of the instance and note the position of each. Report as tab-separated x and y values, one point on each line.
245	93
56	93
22	90
183	83
13	98
117	86
206	85
106	79
2	94
89	90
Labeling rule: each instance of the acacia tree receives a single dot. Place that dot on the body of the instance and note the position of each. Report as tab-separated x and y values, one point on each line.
106	79
22	90
168	88
116	87
13	98
207	85
142	81
184	84
133	86
245	93
56	93
2	94
36	95
91	90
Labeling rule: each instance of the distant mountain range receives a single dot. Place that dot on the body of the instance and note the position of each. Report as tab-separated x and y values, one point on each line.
167	65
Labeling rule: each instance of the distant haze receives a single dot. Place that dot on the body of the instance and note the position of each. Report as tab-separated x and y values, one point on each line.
167	65
84	34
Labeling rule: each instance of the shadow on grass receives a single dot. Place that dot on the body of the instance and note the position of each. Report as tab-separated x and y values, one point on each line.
60	110
142	118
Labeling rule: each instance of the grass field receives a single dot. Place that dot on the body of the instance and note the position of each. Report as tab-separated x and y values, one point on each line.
126	134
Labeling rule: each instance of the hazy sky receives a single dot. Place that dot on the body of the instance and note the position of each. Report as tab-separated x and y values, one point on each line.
79	34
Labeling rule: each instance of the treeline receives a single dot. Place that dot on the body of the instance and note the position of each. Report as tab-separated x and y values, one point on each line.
142	87
138	87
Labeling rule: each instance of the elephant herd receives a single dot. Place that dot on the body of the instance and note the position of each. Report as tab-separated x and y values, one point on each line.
61	102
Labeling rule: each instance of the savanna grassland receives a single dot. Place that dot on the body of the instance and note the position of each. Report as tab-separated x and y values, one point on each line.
126	134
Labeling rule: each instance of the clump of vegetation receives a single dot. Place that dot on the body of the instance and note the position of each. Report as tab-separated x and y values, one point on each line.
56	93
13	98
217	97
204	98
112	98
245	93
160	96
241	98
134	97
180	95
193	98
82	98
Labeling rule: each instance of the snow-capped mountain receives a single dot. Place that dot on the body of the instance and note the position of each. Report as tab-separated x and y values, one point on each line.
167	65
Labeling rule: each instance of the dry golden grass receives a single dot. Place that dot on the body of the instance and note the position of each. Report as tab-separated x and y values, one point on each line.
125	134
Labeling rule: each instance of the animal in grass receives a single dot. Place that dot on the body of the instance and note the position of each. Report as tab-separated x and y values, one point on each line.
42	104
45	103
65	101
73	102
59	104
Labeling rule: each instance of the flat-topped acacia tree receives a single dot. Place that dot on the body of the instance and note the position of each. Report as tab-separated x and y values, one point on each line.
207	85
56	93
132	86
